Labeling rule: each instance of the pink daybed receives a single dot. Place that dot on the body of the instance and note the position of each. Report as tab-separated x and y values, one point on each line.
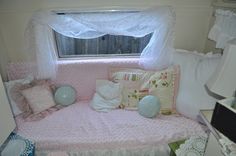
79	130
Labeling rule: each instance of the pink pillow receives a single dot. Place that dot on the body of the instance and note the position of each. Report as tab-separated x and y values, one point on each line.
25	94
39	98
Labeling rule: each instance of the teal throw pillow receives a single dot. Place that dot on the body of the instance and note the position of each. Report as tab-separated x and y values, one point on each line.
65	95
149	106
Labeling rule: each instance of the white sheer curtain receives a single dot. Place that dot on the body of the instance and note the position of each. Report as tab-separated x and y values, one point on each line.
39	41
159	20
224	28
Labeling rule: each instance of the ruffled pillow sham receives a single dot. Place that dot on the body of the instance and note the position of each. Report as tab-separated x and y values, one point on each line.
8	85
35	99
139	83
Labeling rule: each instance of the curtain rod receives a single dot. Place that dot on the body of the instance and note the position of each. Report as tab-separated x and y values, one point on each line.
62	12
92	12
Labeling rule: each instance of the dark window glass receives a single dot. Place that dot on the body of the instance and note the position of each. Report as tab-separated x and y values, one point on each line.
106	45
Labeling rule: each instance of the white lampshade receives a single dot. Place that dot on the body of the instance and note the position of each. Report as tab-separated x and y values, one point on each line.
223	80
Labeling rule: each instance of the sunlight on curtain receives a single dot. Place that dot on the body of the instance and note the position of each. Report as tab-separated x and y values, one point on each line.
158	20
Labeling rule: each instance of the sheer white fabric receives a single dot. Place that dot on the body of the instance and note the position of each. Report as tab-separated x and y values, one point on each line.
40	41
224	28
159	21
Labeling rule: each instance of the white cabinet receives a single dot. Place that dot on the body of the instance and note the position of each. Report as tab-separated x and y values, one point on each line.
213	147
7	123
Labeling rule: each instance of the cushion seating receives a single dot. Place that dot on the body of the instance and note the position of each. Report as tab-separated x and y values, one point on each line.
84	129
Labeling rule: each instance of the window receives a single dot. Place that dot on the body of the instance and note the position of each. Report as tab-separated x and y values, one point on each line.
107	45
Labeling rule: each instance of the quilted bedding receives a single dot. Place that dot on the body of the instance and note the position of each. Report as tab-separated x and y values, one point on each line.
79	128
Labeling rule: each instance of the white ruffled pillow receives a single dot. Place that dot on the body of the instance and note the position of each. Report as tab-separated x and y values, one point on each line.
196	69
107	96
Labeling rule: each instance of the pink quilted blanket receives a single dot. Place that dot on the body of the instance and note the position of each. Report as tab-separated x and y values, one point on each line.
78	127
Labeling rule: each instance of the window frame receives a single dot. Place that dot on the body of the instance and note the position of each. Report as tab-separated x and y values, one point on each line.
100	56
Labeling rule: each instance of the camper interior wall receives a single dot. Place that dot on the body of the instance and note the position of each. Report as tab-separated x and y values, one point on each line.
7	122
3	58
192	24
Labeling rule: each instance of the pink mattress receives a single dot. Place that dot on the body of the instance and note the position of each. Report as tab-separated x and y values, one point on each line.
78	127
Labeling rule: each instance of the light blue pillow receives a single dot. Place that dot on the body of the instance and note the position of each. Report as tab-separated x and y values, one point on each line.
149	106
65	95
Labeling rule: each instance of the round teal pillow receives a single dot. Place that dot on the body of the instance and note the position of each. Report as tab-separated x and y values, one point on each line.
65	95
149	106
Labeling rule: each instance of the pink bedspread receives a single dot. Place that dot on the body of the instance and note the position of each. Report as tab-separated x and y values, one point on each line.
78	127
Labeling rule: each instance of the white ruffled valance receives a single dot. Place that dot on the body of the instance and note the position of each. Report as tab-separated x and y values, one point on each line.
158	150
156	55
224	28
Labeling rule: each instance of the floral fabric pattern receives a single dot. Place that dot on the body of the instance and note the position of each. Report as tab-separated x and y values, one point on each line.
139	83
131	97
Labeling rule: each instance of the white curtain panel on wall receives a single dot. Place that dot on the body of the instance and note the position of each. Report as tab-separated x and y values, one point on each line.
158	20
224	28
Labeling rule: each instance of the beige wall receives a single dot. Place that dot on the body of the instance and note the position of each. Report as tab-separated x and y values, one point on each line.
3	57
192	24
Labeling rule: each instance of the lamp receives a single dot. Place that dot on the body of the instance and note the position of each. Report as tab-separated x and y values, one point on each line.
223	83
223	80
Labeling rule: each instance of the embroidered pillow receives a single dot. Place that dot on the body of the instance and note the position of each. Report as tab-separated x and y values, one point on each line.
39	98
164	85
132	94
131	81
138	83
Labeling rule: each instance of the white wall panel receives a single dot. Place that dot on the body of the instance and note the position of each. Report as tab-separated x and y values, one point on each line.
7	123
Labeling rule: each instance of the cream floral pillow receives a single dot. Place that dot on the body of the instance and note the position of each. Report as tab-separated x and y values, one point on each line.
164	85
131	97
130	79
139	83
